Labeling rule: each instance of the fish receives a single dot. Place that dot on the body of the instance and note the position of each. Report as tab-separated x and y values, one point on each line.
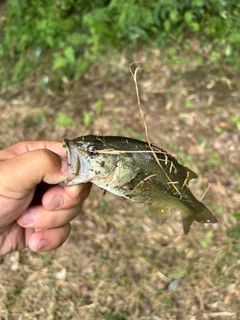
137	171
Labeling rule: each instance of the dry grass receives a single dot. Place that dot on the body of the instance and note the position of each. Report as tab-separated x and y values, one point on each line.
117	263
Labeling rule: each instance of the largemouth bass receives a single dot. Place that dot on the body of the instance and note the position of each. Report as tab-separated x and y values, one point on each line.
134	170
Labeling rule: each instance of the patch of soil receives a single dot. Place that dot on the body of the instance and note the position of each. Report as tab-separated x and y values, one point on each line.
117	263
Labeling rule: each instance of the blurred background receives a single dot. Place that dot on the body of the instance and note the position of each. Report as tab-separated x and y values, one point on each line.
64	72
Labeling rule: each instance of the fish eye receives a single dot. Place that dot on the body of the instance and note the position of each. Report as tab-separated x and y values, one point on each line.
92	150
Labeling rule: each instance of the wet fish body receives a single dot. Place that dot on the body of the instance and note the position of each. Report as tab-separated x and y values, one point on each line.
128	168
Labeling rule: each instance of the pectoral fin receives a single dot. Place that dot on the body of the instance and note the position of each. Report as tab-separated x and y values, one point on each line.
159	213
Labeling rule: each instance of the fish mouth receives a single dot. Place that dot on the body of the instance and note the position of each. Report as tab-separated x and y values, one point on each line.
73	158
78	166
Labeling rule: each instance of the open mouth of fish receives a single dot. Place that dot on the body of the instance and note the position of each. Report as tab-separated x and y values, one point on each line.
77	164
73	160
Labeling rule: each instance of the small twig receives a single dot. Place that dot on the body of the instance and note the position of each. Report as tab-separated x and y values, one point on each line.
185	181
220	314
145	179
172	182
205	192
112	151
134	75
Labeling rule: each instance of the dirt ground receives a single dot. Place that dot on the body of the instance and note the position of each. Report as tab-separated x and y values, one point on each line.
117	263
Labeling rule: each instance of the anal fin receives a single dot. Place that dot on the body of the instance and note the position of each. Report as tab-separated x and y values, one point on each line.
187	221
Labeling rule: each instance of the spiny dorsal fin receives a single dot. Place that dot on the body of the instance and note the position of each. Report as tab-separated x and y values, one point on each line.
191	174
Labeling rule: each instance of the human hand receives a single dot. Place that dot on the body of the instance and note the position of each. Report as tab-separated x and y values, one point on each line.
24	221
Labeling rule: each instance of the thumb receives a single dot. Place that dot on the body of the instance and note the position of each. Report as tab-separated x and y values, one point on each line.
22	173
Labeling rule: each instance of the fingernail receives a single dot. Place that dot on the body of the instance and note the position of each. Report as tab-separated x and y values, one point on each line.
56	203
42	244
64	166
28	219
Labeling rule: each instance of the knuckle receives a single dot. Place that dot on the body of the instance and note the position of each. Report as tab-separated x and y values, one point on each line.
53	220
44	154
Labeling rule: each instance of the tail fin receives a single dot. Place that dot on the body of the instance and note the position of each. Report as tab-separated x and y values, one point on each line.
203	215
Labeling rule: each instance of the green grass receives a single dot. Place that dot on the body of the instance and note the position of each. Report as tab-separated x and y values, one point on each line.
214	160
62	120
206	242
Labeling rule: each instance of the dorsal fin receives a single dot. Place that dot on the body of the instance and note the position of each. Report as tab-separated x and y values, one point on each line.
191	174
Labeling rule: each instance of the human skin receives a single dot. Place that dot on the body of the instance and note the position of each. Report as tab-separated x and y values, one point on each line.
35	211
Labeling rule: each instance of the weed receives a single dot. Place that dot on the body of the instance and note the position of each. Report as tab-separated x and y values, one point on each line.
87	118
62	120
39	118
236	233
203	141
46	259
236	121
236	175
11	123
214	160
182	157
188	104
236	216
98	107
167	302
180	272
17	291
218	130
182	121
218	208
121	316
207	239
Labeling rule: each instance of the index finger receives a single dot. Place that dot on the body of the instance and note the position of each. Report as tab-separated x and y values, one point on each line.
26	146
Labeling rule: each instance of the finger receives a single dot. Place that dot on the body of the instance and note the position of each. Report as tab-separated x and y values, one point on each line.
26	146
11	238
65	197
28	170
49	239
10	213
53	146
38	217
77	189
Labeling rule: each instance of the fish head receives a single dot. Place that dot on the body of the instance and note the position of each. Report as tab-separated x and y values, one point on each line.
93	159
84	161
